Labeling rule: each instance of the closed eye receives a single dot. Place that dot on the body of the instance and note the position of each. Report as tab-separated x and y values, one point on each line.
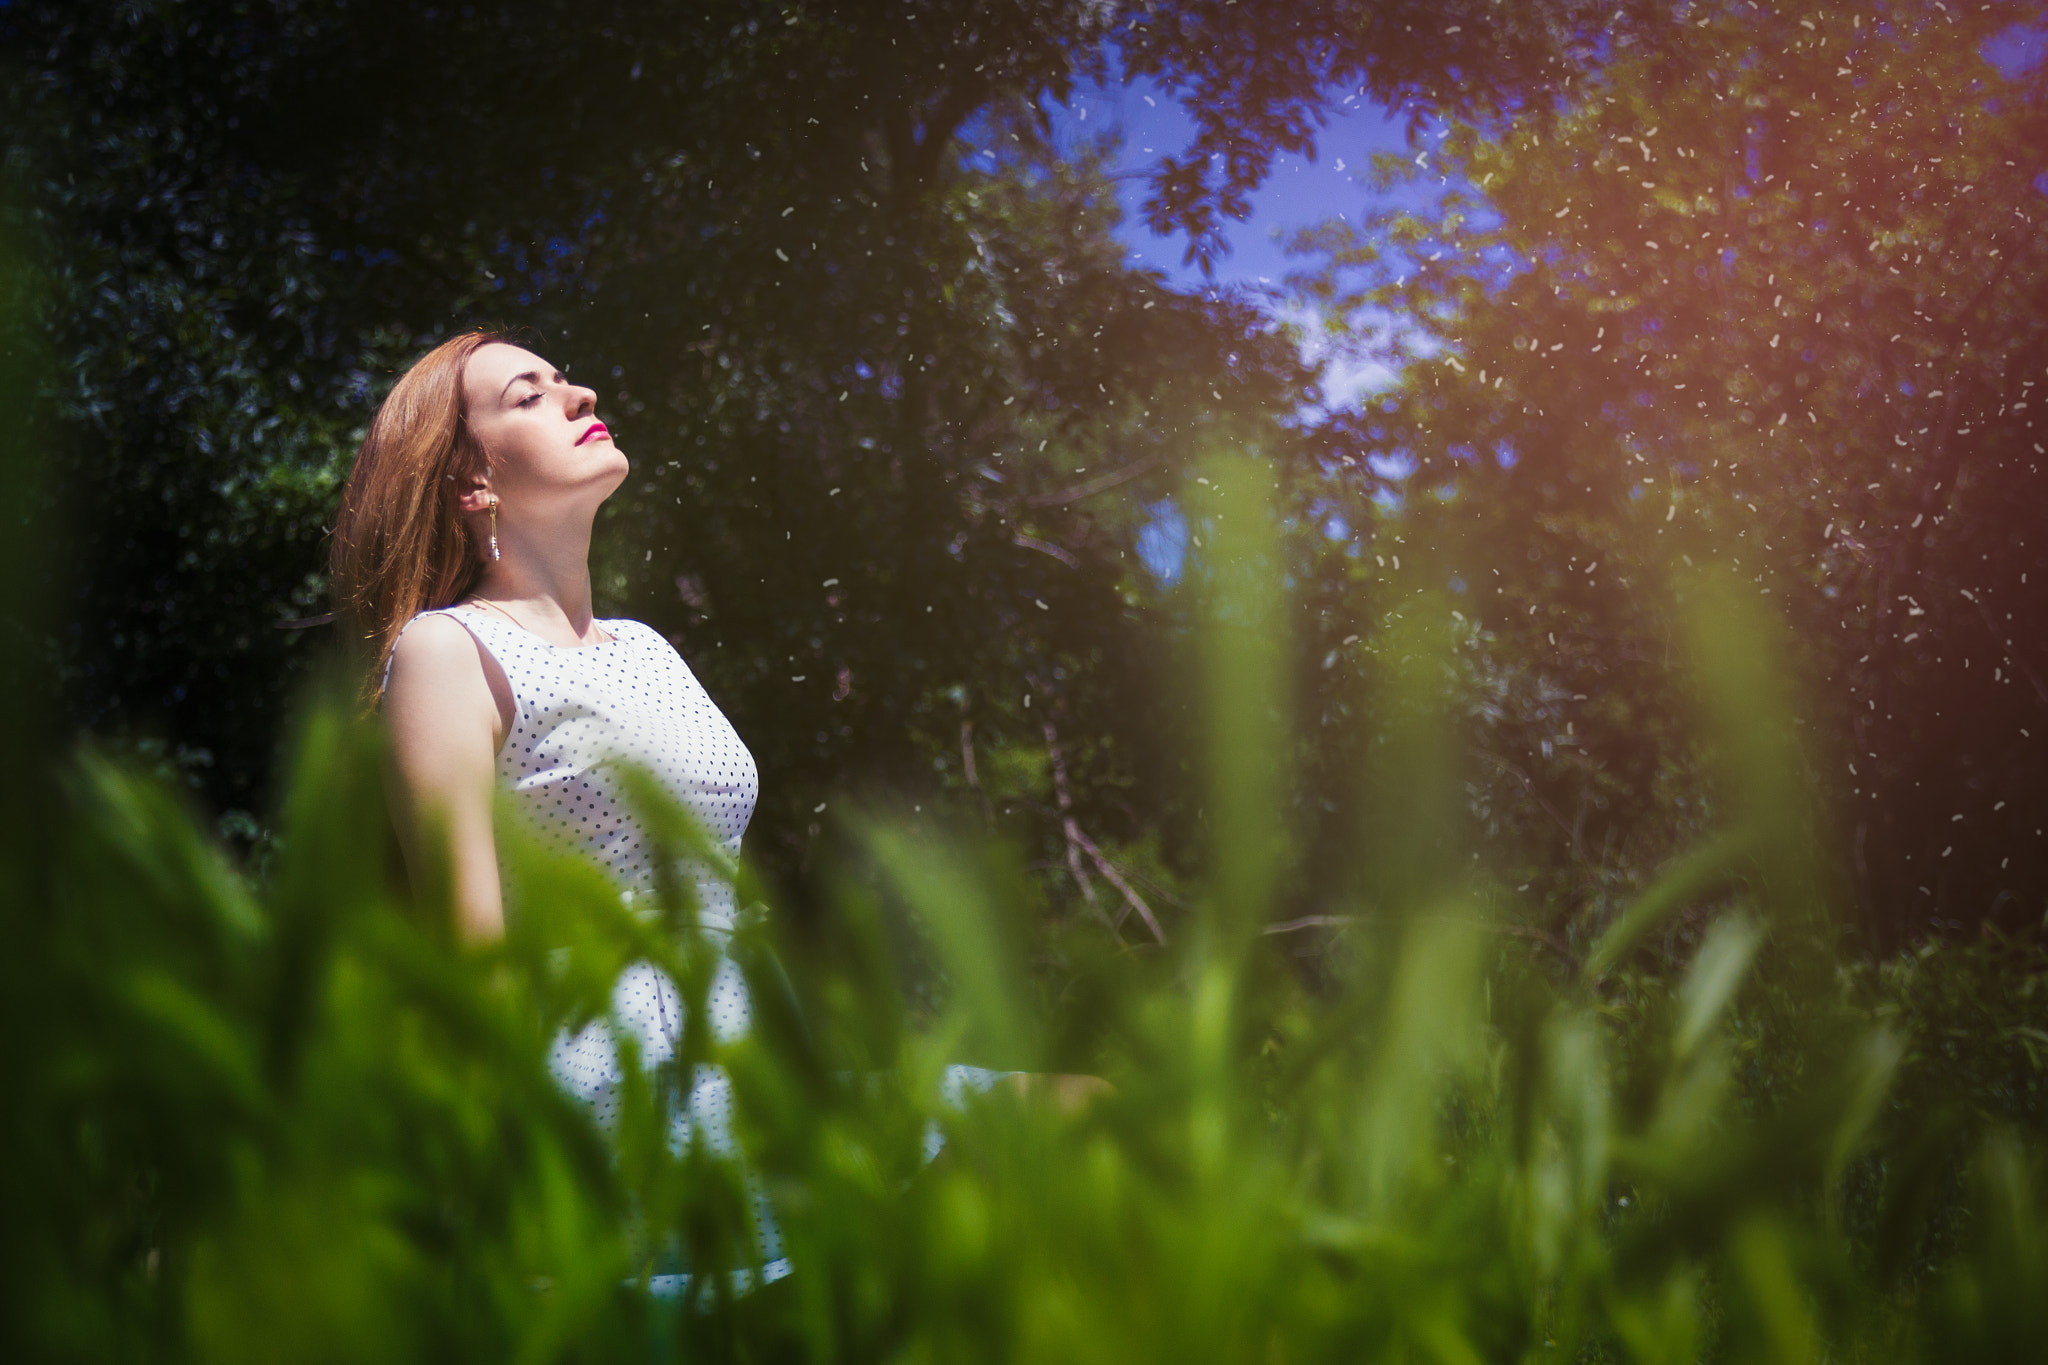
528	401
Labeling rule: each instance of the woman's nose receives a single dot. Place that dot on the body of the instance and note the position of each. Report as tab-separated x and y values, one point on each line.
581	400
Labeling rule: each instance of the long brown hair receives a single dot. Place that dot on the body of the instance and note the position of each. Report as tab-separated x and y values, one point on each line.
401	544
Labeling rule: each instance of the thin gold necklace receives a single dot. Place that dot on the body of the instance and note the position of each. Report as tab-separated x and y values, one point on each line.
603	636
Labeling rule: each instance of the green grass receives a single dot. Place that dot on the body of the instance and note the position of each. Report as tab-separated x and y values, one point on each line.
286	1119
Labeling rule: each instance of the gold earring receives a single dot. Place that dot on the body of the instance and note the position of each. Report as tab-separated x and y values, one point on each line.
494	526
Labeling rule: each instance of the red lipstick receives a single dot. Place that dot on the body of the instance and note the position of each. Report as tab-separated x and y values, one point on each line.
592	432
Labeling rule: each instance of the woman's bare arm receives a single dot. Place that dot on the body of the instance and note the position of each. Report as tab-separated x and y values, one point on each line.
448	707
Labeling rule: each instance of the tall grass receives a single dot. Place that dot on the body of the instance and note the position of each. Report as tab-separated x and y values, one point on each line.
288	1119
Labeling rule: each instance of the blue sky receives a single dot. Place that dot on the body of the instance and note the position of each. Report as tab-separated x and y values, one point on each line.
1299	192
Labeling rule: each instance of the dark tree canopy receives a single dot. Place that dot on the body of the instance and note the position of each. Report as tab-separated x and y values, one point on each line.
1766	288
1743	284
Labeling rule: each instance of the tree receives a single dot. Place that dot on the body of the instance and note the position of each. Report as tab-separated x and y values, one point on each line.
1764	287
929	377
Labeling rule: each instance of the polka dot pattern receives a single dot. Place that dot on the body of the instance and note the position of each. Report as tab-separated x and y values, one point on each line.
579	713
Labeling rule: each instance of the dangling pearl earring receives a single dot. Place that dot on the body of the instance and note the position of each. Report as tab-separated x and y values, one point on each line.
494	527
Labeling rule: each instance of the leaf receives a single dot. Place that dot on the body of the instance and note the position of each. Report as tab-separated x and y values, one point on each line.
204	1046
1717	971
974	943
1690	878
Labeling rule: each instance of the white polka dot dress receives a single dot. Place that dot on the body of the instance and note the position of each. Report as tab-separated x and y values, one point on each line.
579	712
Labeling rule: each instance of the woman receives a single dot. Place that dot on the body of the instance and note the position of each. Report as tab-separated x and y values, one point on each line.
461	557
461	561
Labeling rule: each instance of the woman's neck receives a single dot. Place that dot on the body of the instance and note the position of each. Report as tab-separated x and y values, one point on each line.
545	586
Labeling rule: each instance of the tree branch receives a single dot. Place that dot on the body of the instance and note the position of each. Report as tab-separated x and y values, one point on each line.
1099	484
1079	843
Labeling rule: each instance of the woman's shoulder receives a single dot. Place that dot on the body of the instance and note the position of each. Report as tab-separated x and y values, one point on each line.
638	632
432	634
647	641
432	651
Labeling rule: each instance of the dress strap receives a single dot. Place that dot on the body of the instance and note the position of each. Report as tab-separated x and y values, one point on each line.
466	619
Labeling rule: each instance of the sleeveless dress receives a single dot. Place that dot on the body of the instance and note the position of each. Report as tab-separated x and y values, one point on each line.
578	711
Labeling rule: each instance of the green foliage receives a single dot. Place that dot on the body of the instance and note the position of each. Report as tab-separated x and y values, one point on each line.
289	1118
895	404
1754	280
1644	1109
1758	285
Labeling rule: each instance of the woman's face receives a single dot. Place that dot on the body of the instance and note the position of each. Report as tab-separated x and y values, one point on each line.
548	452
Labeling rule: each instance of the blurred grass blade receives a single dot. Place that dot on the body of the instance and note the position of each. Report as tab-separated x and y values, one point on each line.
194	1041
331	868
1695	875
1575	1066
1445	1344
1412	812
974	942
1866	1083
1244	671
1660	1326
1997	1302
1430	1028
1916	1177
1772	1287
335	826
1717	971
135	831
684	854
565	924
1737	651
